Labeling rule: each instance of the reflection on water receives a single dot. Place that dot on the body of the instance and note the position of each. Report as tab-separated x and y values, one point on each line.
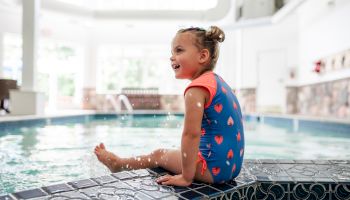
37	156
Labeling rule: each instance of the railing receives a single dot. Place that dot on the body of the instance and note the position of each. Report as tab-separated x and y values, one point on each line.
117	103
143	98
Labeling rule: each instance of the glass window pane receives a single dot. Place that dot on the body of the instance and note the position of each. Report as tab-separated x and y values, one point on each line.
140	66
60	65
12	61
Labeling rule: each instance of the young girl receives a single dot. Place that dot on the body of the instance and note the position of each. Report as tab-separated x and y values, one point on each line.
212	144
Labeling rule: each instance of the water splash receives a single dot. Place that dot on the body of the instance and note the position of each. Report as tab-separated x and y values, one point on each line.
93	166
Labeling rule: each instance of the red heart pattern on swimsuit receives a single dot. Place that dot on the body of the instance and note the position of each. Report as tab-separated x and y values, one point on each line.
223	89
218	107
215	170
230	121
235	105
234	168
219	139
230	154
203	132
222	126
238	136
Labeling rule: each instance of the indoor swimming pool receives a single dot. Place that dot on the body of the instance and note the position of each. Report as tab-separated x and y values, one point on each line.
50	153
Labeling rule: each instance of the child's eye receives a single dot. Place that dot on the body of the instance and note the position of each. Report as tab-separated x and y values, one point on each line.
178	50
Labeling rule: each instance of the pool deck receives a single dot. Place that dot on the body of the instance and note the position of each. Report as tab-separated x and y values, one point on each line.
259	179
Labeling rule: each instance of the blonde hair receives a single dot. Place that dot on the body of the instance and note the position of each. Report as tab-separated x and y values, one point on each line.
207	39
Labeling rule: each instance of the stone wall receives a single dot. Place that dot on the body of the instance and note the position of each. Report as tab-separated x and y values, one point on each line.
329	99
93	101
247	100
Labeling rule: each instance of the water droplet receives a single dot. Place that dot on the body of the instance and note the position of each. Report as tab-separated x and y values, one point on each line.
199	104
227	162
149	160
185	155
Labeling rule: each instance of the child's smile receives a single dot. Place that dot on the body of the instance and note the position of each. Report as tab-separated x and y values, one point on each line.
175	66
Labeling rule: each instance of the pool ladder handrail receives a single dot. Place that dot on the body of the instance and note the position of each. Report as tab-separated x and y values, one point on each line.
116	103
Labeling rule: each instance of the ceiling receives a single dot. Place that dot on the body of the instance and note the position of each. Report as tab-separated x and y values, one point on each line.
202	10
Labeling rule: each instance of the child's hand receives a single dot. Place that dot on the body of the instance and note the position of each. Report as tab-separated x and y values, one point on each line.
177	180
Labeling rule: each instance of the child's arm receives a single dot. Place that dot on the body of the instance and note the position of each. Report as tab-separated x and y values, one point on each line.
195	99
194	105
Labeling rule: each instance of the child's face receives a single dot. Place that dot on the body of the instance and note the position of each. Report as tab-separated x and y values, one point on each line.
185	57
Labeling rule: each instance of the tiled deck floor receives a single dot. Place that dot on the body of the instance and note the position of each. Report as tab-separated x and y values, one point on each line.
259	179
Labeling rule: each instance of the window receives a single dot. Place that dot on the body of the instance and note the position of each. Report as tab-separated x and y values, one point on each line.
12	60
136	66
60	70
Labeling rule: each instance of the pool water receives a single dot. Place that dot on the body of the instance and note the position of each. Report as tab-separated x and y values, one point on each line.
45	155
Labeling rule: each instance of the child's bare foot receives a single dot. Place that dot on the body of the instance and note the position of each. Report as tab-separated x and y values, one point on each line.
112	161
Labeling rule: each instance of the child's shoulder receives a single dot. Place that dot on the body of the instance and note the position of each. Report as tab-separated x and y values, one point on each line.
207	78
206	81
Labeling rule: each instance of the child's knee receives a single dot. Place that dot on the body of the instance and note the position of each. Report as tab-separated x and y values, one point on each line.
156	154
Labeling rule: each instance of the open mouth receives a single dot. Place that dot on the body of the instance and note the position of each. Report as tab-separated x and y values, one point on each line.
176	66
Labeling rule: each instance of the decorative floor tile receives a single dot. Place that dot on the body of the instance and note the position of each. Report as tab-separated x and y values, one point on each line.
5	197
209	191
30	194
52	189
70	195
191	195
259	179
83	183
105	179
123	175
91	192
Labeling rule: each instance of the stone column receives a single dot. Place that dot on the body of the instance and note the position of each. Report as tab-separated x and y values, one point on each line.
89	100
30	27
27	101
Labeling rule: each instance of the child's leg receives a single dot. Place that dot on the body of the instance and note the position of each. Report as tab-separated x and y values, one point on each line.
165	158
168	159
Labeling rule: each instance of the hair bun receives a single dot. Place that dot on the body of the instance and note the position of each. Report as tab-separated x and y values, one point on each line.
215	33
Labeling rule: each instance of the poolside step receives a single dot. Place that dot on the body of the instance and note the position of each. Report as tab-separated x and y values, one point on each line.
259	179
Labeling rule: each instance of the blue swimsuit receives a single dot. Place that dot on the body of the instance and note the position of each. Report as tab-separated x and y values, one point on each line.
221	147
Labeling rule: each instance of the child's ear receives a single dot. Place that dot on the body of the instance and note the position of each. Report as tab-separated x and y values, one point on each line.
204	56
